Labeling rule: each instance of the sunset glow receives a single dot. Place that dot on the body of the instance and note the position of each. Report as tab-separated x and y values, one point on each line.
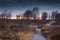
13	18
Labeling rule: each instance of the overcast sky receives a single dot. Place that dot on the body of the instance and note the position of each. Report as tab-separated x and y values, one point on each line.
20	6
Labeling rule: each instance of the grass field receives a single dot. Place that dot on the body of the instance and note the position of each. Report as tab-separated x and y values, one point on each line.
22	29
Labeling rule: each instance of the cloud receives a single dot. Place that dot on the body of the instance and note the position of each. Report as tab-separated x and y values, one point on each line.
8	3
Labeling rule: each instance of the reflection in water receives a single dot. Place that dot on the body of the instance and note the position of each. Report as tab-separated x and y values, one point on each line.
38	35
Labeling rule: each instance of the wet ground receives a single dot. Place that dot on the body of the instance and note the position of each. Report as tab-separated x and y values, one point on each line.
38	35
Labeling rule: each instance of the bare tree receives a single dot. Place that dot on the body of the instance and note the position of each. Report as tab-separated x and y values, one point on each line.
4	14
28	14
18	16
35	12
57	17
54	14
9	15
44	15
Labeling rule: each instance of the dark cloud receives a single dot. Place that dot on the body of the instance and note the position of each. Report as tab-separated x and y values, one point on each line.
22	3
15	2
44	5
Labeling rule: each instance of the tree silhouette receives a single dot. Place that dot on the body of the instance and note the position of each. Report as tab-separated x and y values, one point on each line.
28	14
35	12
18	16
44	15
9	15
57	17
54	14
6	14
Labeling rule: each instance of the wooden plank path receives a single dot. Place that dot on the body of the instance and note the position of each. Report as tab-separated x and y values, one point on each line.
38	35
